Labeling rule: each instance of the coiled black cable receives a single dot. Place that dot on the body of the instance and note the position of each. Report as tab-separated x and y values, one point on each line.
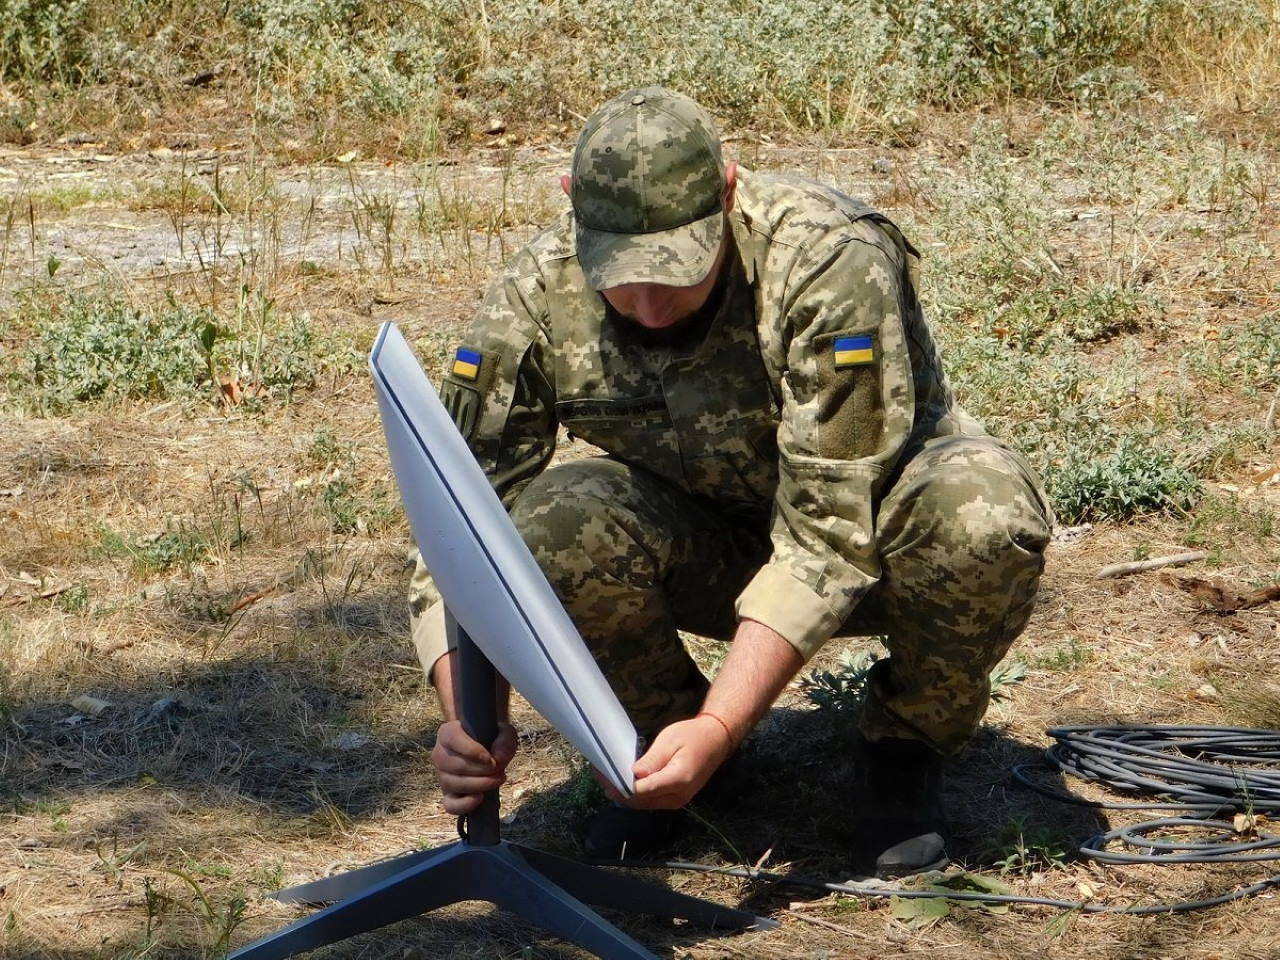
1203	773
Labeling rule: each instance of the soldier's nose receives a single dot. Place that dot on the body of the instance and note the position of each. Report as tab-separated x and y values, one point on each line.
652	308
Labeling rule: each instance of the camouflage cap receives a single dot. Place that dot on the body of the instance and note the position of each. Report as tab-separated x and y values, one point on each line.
648	191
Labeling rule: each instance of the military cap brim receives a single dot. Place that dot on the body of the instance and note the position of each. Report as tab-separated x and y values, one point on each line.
679	257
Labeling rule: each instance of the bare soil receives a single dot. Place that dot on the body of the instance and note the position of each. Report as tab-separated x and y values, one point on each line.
266	722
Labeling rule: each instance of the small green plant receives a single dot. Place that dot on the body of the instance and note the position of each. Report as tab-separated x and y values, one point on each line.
157	552
114	862
1022	851
198	869
157	904
100	348
326	450
580	793
73	600
56	810
221	920
270	875
843	690
924	911
352	510
1137	476
1075	654
341	505
1219	520
1004	675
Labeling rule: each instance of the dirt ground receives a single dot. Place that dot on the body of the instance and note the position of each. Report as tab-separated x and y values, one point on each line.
255	715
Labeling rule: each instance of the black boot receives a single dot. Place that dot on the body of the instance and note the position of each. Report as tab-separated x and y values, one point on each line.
900	792
615	832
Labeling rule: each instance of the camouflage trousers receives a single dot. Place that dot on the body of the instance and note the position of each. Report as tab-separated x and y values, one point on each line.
960	534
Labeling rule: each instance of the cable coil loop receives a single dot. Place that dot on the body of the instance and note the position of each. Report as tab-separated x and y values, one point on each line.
1202	773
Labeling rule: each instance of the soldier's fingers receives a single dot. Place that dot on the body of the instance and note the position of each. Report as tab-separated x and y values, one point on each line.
656	758
457	742
458	804
504	747
452	784
667	781
451	763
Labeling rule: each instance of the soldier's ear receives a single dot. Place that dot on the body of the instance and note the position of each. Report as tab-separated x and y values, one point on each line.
566	184
730	183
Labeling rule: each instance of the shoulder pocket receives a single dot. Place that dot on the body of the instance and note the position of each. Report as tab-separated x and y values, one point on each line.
469	378
850	410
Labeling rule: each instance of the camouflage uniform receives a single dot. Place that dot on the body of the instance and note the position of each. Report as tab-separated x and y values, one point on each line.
794	457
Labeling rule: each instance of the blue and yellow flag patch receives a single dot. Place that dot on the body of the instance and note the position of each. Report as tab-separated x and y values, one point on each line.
854	351
466	363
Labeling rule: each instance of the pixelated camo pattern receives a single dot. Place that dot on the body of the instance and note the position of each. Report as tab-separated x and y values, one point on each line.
740	419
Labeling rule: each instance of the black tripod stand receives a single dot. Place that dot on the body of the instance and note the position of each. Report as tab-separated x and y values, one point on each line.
546	890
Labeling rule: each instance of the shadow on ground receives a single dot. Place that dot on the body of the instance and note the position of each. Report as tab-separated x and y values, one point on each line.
268	734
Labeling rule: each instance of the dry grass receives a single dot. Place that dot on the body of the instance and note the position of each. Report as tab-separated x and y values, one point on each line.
250	745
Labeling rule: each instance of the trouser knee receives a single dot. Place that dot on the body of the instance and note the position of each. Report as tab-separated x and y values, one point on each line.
963	535
585	523
575	520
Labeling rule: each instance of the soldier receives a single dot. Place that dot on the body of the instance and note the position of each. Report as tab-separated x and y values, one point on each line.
784	463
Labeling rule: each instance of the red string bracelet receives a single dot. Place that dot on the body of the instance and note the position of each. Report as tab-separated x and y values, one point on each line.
724	726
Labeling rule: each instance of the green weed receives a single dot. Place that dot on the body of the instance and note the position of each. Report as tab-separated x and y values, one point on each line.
1247	358
220	919
1137	475
1066	658
843	690
1024	851
74	600
268	876
113	863
157	552
48	41
801	63
198	869
354	510
341	505
91	348
55	809
1225	521
580	793
102	349
64	197
325	450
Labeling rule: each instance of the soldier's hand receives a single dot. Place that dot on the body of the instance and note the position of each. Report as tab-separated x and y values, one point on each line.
468	770
679	764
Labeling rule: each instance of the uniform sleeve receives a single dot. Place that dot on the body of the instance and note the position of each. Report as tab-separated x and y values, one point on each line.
503	401
499	389
847	414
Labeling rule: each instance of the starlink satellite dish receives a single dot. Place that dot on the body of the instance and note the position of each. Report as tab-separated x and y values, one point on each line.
485	573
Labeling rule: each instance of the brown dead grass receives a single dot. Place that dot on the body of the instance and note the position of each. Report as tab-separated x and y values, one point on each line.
295	737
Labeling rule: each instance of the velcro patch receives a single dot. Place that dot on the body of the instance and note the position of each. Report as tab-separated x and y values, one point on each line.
466	363
854	351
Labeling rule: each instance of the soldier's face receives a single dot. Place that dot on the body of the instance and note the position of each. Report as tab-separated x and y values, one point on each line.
660	306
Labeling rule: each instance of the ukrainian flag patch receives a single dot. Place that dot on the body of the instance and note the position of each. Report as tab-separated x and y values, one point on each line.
854	351
466	363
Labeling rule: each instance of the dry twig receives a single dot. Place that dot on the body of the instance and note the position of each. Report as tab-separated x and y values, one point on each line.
818	921
1155	563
